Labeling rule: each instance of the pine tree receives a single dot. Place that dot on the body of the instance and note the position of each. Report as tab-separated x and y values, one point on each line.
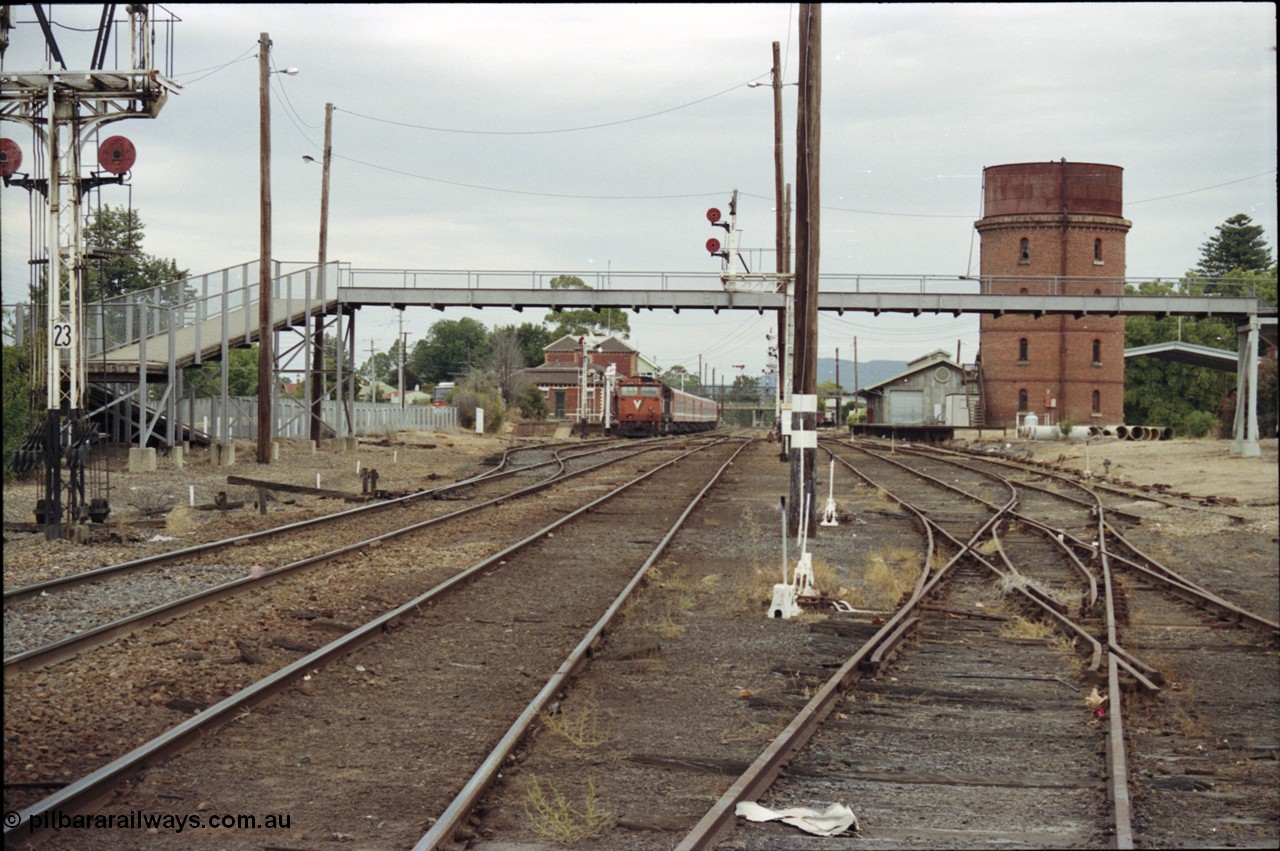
1238	245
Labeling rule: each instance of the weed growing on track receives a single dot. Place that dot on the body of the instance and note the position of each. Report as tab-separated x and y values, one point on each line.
579	725
555	819
1020	627
890	573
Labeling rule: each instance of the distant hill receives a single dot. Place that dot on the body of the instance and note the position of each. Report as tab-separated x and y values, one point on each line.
869	372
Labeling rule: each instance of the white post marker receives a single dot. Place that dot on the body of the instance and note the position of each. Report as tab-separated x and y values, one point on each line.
784	605
357	469
786	595
317	481
829	513
479	420
191	494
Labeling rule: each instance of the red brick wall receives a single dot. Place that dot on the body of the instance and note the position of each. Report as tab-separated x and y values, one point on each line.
1062	240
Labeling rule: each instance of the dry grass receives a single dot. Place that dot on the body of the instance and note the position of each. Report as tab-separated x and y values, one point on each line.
1066	647
179	521
1020	627
882	502
554	818
889	574
579	725
989	547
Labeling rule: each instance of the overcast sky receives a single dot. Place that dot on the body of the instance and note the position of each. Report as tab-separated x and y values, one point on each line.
592	138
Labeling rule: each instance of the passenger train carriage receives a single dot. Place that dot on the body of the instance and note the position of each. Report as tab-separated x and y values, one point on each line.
645	406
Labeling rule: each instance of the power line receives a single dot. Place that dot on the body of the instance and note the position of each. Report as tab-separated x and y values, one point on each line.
549	132
525	191
243	57
1202	189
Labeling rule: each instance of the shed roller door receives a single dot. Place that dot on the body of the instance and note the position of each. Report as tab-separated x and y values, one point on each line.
906	407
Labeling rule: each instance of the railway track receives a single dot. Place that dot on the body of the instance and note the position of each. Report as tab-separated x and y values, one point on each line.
56	619
1213	737
968	710
967	718
421	694
123	684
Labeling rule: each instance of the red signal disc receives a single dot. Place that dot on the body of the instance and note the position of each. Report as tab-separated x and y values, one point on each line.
10	157
713	215
117	155
713	245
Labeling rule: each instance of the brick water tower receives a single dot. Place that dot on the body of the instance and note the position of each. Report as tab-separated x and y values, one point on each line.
1052	228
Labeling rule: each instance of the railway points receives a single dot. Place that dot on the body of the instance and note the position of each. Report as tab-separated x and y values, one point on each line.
715	677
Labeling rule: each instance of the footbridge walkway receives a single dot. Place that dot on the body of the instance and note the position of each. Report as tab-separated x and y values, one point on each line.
151	335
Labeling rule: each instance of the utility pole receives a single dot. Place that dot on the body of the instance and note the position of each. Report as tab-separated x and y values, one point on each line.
855	374
804	444
266	352
839	391
317	321
404	345
780	232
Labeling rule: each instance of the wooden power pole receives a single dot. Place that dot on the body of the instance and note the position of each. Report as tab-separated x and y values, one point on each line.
266	354
780	227
805	350
317	321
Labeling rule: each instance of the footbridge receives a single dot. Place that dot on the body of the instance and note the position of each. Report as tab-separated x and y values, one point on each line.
152	335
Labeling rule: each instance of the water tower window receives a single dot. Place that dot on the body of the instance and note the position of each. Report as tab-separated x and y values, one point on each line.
1023	346
1097	402
1022	399
1024	251
1097	352
1097	251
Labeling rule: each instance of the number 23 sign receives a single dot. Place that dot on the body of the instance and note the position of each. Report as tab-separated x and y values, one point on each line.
62	335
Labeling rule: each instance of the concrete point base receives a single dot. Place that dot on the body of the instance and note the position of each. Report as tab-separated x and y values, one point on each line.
142	459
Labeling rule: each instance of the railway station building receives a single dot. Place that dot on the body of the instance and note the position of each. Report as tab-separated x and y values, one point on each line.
560	375
1052	228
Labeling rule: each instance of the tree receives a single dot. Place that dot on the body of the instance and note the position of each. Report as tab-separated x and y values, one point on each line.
17	400
534	338
679	378
1171	394
449	349
478	389
1238	246
117	265
575	323
395	361
506	360
242	374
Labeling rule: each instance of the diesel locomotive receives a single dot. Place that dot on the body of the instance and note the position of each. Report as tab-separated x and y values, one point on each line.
644	406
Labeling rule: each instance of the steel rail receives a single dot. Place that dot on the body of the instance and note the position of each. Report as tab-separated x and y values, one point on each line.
1175	581
1096	650
765	769
1135	492
448	823
123	568
1038	471
1045	530
70	646
1117	658
84	793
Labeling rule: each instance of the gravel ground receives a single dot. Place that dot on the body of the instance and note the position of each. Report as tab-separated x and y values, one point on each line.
717	664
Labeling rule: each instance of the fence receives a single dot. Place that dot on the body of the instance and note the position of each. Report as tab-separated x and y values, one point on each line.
241	417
